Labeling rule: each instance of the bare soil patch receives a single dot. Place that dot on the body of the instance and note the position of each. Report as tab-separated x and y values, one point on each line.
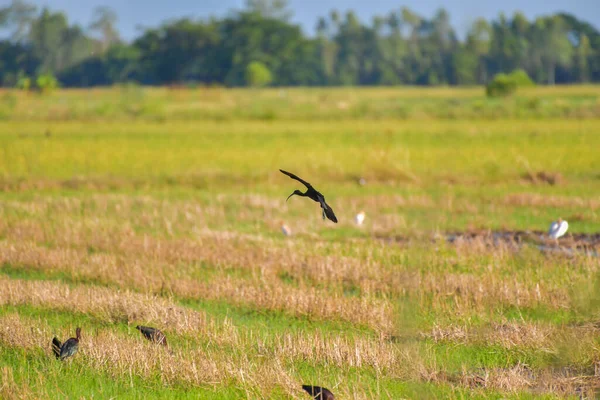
587	242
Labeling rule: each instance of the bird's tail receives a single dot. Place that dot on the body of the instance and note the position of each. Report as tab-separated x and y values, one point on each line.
56	347
327	211
312	390
315	391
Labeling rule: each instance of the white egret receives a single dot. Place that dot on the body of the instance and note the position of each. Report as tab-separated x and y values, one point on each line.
558	228
285	229
359	218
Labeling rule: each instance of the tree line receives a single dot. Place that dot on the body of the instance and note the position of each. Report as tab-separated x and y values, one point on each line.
400	48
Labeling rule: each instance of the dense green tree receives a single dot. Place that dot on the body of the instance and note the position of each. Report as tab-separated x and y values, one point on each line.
15	60
393	49
56	44
179	51
46	36
327	50
478	46
276	9
520	46
18	17
400	47
551	46
104	22
248	37
257	74
575	29
582	59
465	65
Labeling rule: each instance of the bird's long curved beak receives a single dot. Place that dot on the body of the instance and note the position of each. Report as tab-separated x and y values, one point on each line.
290	196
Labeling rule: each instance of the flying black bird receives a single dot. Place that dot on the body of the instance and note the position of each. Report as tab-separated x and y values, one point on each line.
318	392
312	194
68	348
152	334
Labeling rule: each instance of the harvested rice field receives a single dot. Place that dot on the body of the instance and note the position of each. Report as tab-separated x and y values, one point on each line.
164	207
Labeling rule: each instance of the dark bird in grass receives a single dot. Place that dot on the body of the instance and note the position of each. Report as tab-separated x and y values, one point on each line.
312	194
318	392
152	334
68	348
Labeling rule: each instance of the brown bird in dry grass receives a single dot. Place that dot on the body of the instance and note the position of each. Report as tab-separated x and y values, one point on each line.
312	194
318	392
152	334
68	348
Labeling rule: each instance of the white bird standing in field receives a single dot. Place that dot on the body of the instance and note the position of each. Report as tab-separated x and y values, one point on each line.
558	228
359	218
285	229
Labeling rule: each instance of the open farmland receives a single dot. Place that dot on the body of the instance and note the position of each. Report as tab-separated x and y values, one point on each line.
163	207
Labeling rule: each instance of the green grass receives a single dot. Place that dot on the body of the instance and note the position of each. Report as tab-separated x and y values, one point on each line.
79	381
433	159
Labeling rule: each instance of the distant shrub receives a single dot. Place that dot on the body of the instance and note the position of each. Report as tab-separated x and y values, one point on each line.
23	82
506	84
258	75
46	83
521	78
502	85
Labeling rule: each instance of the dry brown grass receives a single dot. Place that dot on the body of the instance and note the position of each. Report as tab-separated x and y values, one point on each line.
539	200
257	364
148	266
108	305
121	356
178	265
125	307
541	177
521	378
240	358
264	290
541	337
124	356
386	214
147	253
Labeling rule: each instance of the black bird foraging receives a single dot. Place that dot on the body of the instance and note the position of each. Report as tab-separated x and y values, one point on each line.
312	194
318	392
153	334
68	348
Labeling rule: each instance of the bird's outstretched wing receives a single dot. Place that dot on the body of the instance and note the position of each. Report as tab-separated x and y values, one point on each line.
327	211
308	185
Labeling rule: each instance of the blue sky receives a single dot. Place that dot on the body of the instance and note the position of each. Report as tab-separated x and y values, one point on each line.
133	13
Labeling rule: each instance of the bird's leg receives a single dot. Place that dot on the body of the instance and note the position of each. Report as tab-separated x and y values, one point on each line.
323	206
